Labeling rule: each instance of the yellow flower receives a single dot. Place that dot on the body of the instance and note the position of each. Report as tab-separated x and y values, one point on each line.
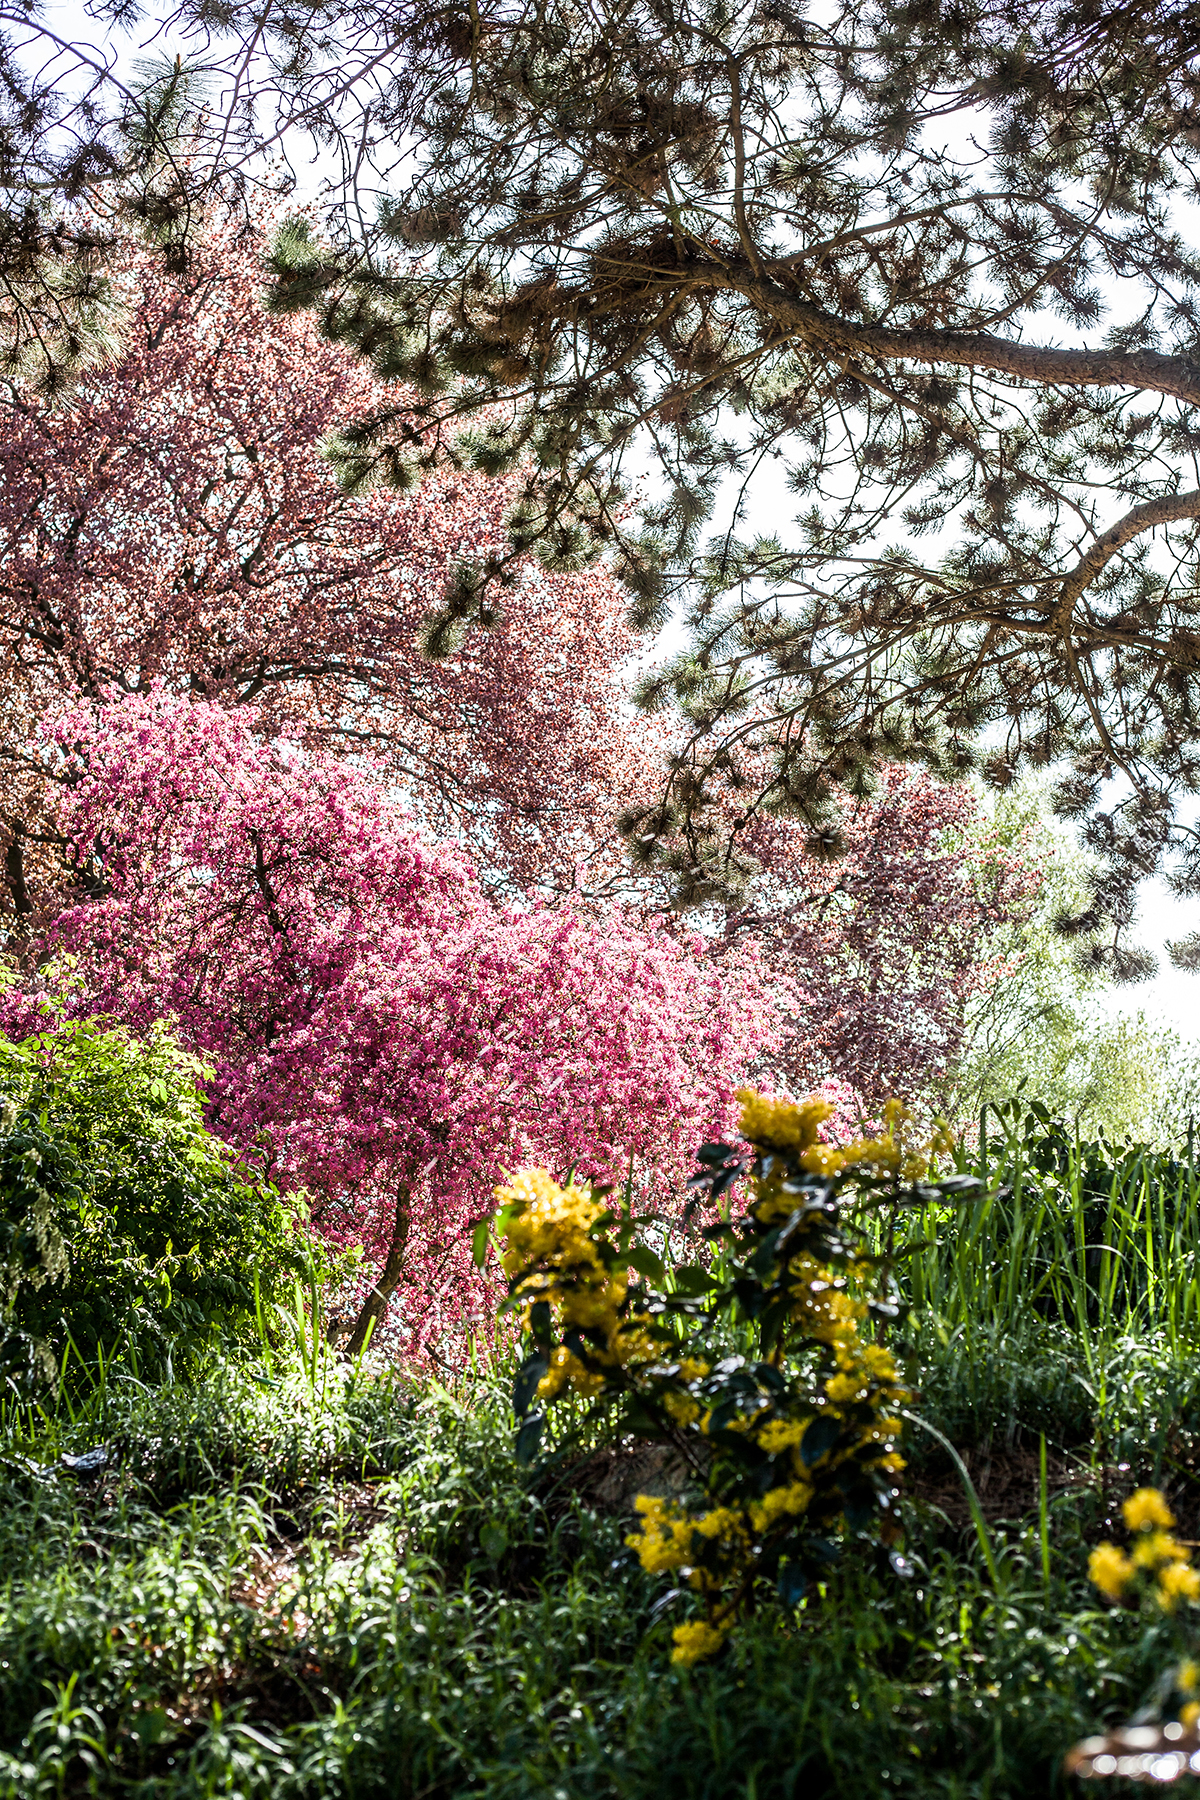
1187	1676
780	1434
942	1143
820	1304
780	1503
723	1521
1147	1509
695	1641
822	1159
1110	1569
1189	1714
1156	1547
883	1154
565	1371
879	1362
1177	1581
844	1389
780	1124
666	1538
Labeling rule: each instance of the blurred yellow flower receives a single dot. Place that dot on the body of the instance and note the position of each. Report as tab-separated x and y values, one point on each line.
781	1124
1156	1547
780	1503
1110	1569
666	1536
1177	1581
779	1434
695	1641
1147	1509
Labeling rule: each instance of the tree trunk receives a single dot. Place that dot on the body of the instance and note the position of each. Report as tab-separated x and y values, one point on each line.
375	1305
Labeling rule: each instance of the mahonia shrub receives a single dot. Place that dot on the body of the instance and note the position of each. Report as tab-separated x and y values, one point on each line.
791	1444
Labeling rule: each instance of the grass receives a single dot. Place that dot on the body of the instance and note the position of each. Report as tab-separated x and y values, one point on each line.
297	1579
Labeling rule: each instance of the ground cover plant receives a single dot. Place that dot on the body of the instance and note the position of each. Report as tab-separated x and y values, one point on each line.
292	1573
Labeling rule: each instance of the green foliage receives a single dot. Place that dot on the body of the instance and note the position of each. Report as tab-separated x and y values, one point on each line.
1044	1029
407	1611
122	1219
299	1578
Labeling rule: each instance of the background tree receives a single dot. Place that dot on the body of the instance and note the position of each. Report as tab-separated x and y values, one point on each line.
381	1032
178	523
842	247
1045	1028
889	935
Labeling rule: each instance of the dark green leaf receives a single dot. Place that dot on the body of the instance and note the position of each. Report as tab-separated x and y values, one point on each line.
528	1376
529	1437
819	1439
639	1257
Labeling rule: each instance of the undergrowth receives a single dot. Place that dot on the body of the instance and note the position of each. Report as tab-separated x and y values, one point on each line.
295	1578
293	1590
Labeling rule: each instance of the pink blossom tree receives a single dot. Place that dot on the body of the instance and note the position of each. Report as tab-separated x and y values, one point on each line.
388	1034
179	523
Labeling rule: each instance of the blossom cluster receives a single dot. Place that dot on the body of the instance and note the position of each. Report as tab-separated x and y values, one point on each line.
383	1031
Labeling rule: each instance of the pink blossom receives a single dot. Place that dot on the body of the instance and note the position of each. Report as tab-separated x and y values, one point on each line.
386	1033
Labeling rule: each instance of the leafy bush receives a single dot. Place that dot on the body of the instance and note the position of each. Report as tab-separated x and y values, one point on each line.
790	1446
122	1218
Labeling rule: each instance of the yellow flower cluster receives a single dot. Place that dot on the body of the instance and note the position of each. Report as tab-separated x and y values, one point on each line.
696	1640
777	1503
550	1249
820	1304
1158	1555
1110	1570
789	1128
780	1124
552	1256
1146	1510
665	1540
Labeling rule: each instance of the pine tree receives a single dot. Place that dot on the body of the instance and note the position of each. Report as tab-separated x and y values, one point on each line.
922	273
920	270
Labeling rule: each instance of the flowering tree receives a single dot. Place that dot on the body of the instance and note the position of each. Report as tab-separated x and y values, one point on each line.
179	523
382	1029
881	931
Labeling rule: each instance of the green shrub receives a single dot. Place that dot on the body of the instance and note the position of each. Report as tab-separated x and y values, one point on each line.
792	1447
123	1220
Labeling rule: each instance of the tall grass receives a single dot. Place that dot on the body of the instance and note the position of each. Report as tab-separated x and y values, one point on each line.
1066	1302
1103	1240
